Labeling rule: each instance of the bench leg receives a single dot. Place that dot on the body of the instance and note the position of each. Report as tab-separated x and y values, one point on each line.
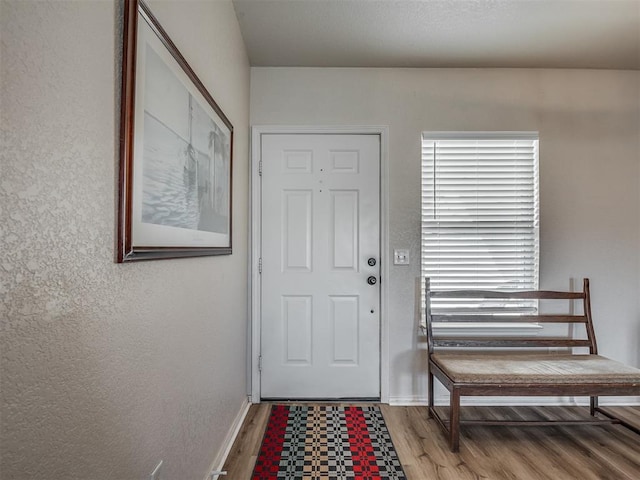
430	394
593	404
454	420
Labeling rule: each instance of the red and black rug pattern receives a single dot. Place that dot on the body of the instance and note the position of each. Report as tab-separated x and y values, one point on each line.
327	442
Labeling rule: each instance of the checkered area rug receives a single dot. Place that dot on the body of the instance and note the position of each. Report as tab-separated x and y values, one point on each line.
327	442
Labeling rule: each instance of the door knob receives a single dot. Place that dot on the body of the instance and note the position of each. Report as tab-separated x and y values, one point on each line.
372	280
371	262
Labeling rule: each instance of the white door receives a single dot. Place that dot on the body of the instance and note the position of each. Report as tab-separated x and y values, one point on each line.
320	305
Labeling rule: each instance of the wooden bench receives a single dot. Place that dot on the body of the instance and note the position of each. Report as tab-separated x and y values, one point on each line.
481	365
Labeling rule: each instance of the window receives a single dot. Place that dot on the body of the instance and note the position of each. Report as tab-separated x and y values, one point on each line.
480	226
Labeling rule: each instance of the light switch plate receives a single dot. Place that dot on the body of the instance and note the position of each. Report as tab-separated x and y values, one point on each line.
401	257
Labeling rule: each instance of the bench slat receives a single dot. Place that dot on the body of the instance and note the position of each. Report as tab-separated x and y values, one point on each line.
542	294
508	342
444	318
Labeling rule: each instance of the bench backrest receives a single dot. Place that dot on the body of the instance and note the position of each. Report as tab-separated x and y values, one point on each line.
478	316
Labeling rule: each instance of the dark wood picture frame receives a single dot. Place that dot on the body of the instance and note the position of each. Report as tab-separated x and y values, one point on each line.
179	205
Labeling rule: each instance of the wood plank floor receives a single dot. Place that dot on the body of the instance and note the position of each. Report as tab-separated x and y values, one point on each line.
486	452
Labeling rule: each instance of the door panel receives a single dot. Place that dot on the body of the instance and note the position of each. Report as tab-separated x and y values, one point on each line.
344	318
344	229
296	232
320	224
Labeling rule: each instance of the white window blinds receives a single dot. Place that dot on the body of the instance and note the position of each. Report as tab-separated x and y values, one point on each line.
480	226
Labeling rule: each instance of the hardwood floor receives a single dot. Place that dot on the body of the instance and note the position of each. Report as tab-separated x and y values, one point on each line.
486	452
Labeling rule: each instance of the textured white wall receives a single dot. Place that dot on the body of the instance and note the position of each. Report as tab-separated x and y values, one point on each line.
589	173
106	368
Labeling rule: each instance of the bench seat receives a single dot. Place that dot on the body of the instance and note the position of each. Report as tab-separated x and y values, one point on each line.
526	368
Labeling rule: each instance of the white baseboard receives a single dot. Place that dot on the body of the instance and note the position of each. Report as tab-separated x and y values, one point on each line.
218	463
482	401
515	401
612	401
410	401
509	401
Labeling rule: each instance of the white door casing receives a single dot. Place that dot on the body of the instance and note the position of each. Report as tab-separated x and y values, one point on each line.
320	319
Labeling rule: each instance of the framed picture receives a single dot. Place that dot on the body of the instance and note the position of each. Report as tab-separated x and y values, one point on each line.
175	151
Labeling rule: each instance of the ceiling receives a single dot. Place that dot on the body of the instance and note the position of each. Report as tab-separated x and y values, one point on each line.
601	34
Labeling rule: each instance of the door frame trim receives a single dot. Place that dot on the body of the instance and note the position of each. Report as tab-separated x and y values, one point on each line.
255	249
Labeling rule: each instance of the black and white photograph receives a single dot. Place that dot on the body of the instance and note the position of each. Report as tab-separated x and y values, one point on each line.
185	172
